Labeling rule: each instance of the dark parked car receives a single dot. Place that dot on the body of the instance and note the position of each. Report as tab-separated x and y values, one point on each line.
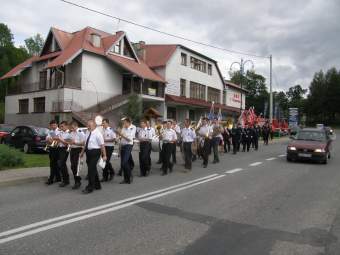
310	143
28	138
5	130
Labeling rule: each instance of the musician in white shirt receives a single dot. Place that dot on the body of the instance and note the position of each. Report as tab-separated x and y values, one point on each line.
64	139
109	139
152	134
78	140
144	138
188	136
205	133
169	138
94	148
53	153
128	133
177	129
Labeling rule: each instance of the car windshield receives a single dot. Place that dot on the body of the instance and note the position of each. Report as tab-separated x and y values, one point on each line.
311	136
41	131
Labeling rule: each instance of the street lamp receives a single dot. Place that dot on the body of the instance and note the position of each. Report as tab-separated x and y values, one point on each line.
242	64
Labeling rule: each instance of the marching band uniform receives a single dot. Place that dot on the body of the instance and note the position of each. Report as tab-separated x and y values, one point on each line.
108	171
174	145
205	133
256	135
145	149
54	156
78	137
226	139
169	138
246	139
216	139
188	136
63	155
235	138
127	163
94	141
151	133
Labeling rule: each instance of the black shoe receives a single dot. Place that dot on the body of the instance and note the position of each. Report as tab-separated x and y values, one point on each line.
104	179
111	176
58	180
123	182
63	184
76	185
120	172
204	166
98	187
49	182
164	174
87	191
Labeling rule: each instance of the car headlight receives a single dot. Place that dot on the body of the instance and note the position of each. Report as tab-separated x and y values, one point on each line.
292	148
319	150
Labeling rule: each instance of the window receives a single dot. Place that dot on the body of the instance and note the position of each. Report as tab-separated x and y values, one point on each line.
214	95
39	104
198	65
224	97
197	91
116	48
58	78
42	80
183	87
171	113
209	69
183	59
23	106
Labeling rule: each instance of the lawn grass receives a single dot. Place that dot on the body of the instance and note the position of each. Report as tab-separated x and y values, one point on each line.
22	160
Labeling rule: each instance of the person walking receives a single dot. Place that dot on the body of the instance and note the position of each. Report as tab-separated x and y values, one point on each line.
188	136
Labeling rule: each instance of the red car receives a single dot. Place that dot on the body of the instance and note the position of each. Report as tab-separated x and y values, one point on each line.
310	144
5	130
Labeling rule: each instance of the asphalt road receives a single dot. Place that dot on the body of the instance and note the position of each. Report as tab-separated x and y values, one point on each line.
251	203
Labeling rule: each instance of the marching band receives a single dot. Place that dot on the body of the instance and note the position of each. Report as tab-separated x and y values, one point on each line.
98	142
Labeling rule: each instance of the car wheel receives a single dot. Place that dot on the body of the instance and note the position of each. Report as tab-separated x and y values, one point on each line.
289	159
27	148
325	161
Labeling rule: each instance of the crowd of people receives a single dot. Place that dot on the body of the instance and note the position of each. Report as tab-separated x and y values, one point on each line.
195	141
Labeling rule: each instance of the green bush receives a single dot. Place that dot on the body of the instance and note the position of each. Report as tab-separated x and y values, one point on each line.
10	157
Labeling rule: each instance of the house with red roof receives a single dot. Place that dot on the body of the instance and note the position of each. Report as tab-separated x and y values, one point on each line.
194	82
79	75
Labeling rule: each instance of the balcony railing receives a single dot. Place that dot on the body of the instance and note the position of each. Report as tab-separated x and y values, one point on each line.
24	87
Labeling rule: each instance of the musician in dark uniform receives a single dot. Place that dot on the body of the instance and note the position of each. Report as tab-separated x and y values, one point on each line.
143	135
53	153
226	139
256	134
236	137
265	133
205	133
78	140
64	139
109	139
169	137
94	148
188	136
246	138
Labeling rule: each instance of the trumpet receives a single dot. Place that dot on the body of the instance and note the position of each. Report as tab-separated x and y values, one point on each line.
54	144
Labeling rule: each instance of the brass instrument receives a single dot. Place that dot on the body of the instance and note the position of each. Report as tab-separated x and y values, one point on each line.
54	144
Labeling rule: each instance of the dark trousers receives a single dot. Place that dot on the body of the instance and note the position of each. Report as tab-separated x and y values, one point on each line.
74	158
144	158
187	154
215	143
160	155
265	139
246	144
236	145
108	169
226	145
92	157
173	153
63	155
166	153
126	162
206	150
54	168
256	143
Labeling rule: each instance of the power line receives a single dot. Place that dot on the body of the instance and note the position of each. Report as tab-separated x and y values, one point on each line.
162	32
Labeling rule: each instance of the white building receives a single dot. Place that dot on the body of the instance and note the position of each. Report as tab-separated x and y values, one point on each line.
89	72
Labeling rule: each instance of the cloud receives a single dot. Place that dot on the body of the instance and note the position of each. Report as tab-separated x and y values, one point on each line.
302	35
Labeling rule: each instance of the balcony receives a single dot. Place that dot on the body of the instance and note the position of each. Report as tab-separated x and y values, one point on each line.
143	87
24	87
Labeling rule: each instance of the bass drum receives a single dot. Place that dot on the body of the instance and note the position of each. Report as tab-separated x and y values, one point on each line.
155	146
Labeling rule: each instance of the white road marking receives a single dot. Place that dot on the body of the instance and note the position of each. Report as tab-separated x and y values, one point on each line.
234	170
270	159
255	164
282	155
104	209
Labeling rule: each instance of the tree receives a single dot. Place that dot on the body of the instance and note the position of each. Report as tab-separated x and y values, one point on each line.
133	108
34	44
257	95
6	37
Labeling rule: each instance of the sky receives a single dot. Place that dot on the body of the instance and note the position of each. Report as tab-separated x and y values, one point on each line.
302	35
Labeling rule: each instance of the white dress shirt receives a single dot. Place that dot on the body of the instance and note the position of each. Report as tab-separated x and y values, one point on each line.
53	133
151	132
130	133
78	137
143	135
96	139
65	135
188	135
177	129
109	134
169	135
205	131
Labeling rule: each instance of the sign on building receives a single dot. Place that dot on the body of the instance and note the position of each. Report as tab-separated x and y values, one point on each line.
293	117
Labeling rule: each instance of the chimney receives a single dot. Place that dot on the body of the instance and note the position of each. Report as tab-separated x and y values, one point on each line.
140	49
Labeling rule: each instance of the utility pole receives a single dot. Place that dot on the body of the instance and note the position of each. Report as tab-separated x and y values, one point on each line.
270	90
